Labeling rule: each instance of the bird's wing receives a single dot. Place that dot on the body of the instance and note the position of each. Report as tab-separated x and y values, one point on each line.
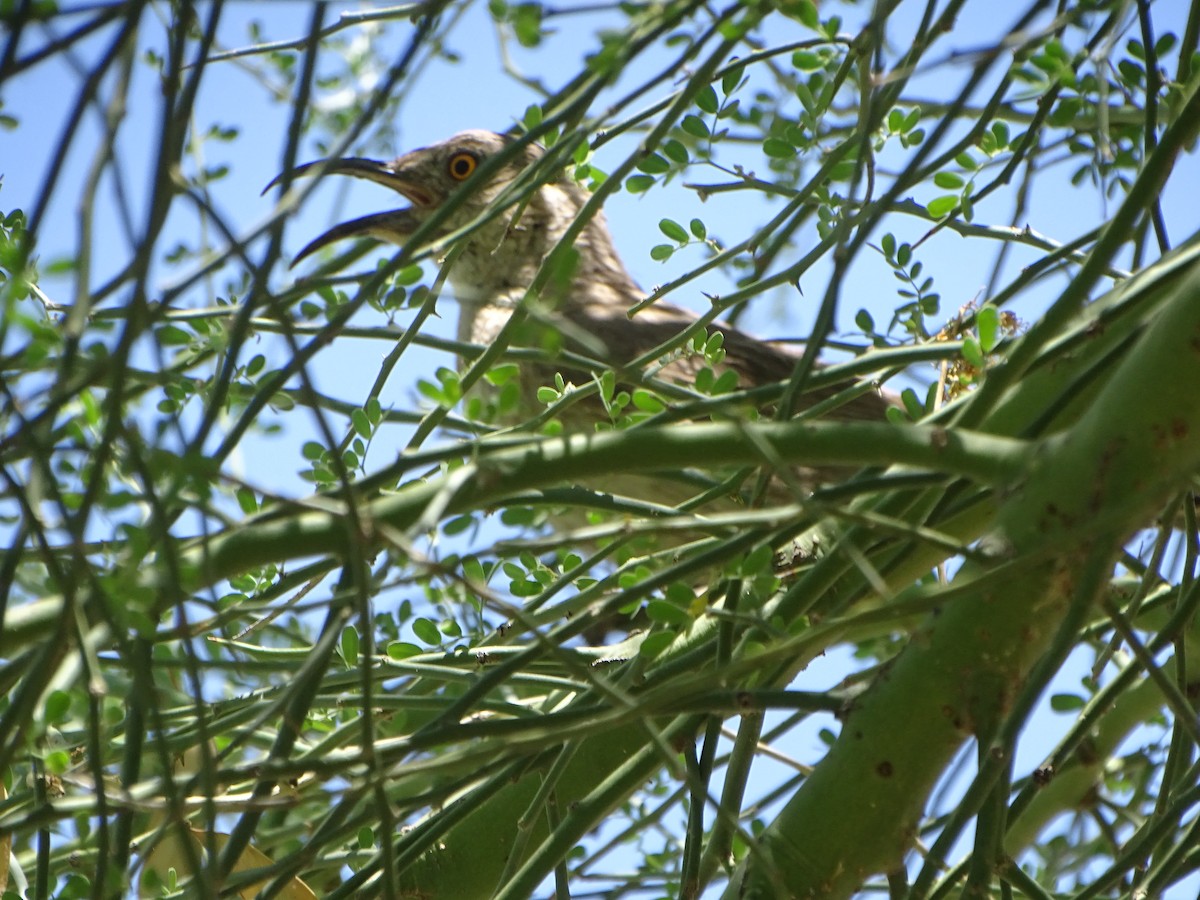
756	362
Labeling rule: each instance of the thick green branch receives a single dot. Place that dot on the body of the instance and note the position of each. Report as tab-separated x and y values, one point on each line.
492	476
961	674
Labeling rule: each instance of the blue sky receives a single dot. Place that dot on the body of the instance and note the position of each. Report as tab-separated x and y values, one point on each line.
474	93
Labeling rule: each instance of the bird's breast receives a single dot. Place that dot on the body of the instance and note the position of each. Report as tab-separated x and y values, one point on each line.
480	322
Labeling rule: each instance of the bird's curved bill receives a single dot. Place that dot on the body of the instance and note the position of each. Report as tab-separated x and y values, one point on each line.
394	226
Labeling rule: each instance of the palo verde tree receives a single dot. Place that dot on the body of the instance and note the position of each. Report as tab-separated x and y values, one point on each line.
306	593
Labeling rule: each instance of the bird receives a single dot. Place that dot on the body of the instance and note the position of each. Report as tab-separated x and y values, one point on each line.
499	254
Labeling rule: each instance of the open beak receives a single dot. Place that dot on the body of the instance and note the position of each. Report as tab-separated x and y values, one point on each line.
393	227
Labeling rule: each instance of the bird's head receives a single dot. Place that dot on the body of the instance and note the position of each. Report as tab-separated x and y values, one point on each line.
458	180
428	178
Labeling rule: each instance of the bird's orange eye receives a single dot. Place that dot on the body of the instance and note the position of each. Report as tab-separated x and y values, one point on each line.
461	166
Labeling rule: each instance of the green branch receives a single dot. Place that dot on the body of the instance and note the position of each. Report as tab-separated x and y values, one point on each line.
960	676
492	476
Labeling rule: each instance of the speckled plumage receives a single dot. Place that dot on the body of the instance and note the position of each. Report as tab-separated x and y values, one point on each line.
499	260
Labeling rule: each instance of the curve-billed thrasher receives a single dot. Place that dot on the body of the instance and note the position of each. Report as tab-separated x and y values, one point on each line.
499	259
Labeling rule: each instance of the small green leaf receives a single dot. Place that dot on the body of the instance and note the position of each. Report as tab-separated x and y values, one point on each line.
58	705
350	645
673	230
527	23
502	374
727	381
951	181
698	229
646	401
707	99
807	61
665	613
403	650
409	275
912	405
777	149
639	184
458	525
987	321
474	570
680	594
653	164
730	80
1067	702
695	126
942	206
661	252
675	151
57	762
932	394
803	11
758	561
247	502
427	631
732	29
1046	63
805	94
1132	72
360	422
173	336
972	353
655	643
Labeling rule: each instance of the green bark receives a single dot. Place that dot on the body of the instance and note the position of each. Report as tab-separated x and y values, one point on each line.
1086	488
